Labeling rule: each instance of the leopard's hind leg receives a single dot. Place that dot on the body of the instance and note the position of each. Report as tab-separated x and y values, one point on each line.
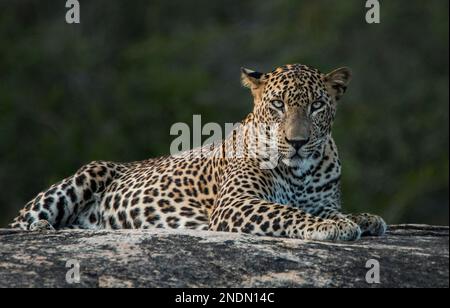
62	204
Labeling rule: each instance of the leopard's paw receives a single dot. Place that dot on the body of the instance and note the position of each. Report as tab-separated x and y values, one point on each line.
322	231
348	230
41	225
371	225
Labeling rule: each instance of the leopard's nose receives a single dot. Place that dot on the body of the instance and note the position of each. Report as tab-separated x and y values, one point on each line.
297	144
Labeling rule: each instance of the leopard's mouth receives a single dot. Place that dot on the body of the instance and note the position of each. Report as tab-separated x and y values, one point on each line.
293	160
295	156
298	159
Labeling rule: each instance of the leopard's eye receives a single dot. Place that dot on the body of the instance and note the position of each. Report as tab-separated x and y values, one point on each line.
278	104
316	105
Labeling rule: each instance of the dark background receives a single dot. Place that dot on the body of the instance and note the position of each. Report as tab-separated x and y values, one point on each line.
111	87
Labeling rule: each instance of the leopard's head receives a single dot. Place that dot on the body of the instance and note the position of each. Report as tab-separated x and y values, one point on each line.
300	102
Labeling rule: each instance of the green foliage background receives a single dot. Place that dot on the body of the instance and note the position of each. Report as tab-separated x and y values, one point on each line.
111	87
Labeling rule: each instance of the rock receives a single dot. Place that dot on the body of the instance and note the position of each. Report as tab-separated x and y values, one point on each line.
408	256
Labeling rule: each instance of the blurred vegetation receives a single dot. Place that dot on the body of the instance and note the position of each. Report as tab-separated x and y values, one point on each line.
111	87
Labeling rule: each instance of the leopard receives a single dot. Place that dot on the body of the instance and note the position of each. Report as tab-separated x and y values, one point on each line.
286	184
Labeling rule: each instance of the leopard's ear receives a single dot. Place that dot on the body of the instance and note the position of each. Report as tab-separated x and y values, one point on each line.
250	79
253	80
337	81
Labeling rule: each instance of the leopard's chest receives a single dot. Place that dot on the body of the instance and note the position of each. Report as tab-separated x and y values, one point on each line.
308	191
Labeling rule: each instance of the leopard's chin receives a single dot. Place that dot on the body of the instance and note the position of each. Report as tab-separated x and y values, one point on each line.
293	161
300	162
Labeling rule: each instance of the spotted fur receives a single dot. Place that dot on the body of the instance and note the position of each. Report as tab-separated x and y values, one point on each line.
207	189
